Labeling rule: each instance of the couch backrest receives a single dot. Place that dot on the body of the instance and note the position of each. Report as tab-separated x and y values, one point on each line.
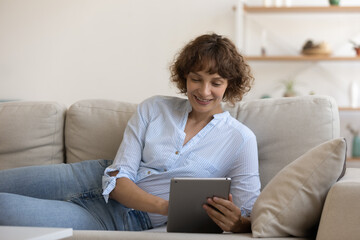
31	133
94	129
285	128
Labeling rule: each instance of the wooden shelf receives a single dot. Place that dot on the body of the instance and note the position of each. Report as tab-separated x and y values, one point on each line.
301	58
349	109
328	9
353	159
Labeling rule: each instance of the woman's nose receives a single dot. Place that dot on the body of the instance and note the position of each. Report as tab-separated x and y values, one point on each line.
205	89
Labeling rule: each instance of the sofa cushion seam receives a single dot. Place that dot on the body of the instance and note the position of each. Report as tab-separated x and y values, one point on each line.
99	108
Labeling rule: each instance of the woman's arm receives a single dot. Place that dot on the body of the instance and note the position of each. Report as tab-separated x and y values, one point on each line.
130	195
118	179
245	188
229	218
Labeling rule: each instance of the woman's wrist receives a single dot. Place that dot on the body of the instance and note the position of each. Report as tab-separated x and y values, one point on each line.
244	225
163	206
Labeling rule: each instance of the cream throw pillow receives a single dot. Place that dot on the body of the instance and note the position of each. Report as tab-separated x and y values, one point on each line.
292	202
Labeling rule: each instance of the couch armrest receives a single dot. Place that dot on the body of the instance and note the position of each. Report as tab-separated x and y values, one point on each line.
341	213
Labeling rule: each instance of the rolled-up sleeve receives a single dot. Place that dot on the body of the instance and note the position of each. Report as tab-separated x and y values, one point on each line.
109	182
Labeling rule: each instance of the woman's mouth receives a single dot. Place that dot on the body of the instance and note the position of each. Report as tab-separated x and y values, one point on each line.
202	101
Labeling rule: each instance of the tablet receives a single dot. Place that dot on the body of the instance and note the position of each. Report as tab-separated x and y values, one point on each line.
187	196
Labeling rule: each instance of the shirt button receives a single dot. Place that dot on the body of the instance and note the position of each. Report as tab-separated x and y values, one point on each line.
148	172
165	170
177	152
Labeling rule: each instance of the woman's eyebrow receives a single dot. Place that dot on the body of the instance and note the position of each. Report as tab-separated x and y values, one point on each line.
214	78
195	74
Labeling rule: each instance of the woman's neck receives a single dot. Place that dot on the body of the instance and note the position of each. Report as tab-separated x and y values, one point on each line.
199	118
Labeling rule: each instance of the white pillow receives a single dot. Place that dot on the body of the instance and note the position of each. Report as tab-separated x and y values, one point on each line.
292	202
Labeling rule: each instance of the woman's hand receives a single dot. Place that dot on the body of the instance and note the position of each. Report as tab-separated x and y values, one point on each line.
229	218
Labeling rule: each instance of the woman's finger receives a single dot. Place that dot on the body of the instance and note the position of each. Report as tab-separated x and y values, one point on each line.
225	206
230	215
217	217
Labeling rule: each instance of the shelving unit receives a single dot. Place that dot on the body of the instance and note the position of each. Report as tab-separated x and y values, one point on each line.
301	58
349	109
295	10
282	31
335	9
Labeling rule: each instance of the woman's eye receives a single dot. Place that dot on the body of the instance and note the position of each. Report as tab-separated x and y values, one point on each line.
216	84
195	80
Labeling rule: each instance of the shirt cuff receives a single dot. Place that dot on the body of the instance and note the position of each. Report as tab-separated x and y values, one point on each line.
109	182
245	212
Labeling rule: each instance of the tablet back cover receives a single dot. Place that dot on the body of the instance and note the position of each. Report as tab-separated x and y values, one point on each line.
187	196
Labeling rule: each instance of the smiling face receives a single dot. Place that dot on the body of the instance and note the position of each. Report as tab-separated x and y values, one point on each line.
205	92
213	53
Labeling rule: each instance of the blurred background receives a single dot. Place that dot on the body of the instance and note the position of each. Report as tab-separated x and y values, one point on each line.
67	50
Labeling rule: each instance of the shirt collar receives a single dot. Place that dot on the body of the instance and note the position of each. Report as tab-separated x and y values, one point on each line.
223	115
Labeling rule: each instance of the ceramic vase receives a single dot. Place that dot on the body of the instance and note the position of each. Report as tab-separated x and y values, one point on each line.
354	94
287	3
267	3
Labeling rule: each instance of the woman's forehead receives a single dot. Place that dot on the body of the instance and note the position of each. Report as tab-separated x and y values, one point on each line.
206	65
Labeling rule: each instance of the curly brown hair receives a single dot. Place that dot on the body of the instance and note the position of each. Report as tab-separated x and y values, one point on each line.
214	54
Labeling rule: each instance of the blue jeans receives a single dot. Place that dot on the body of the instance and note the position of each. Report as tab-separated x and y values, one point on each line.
64	195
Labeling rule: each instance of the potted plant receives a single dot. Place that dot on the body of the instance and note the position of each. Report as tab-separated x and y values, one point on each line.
356	47
289	88
334	2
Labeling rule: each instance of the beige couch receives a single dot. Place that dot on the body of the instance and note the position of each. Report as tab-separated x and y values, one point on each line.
34	133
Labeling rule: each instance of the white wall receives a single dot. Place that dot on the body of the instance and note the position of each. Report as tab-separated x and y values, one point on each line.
67	50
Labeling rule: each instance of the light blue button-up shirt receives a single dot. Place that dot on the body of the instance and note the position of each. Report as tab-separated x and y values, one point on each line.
153	151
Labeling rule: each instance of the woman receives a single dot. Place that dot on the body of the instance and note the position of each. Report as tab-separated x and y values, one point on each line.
166	137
